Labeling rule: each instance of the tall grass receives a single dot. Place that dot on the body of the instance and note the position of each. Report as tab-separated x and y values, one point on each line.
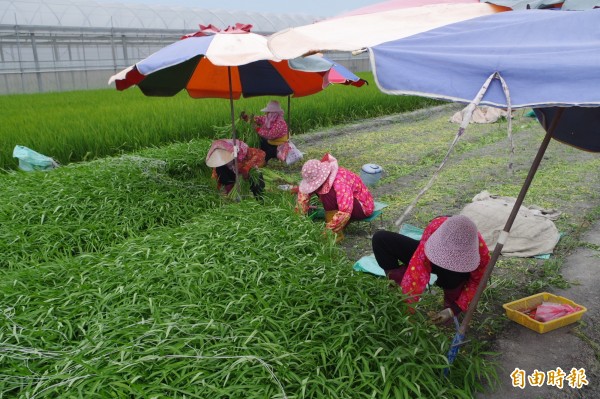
84	125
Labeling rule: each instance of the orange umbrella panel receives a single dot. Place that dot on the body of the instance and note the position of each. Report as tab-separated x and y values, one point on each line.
202	79
211	81
259	78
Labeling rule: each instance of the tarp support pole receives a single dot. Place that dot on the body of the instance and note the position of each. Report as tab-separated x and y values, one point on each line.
498	249
509	119
463	126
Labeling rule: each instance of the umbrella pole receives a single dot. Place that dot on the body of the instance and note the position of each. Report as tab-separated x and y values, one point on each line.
236	185
462	330
288	117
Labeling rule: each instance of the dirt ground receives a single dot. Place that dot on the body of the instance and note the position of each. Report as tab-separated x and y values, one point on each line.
383	141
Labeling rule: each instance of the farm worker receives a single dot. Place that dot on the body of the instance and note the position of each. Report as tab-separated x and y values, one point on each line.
220	158
272	130
450	247
342	192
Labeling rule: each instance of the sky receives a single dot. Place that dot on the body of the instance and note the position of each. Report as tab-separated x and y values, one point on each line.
321	8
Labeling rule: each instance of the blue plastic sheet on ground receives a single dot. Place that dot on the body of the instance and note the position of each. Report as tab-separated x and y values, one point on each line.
368	264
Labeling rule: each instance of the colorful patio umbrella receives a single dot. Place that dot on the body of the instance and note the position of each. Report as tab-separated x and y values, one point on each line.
545	60
204	63
230	63
376	24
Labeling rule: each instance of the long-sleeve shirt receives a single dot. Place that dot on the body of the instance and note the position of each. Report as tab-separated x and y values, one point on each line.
277	133
419	269
254	157
348	186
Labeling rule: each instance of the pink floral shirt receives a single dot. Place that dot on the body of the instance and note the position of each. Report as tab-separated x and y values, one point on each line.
347	186
278	128
419	269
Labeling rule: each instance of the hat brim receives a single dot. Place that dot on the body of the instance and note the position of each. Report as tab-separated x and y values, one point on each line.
308	187
454	260
219	157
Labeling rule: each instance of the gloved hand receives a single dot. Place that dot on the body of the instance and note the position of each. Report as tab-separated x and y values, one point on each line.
442	316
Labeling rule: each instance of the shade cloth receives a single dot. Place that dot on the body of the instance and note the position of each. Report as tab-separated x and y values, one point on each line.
547	58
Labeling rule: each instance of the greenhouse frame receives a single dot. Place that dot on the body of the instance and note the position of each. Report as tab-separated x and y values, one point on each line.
62	45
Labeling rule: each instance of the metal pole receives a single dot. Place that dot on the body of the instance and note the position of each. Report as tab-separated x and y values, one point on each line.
55	58
233	133
20	55
112	45
125	53
85	69
288	117
36	60
504	234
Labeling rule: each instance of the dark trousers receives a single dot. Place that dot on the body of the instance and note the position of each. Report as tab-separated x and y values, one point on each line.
329	202
227	179
391	248
269	149
393	252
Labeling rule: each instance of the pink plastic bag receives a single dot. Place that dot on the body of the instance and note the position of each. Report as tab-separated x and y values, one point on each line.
550	310
289	153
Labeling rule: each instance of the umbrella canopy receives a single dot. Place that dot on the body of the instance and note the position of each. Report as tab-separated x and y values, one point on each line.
203	64
371	27
578	127
545	58
567	5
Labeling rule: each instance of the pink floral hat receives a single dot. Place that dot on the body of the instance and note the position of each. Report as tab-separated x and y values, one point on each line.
454	245
314	174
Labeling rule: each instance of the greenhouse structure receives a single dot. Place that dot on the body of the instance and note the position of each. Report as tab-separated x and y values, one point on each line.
62	45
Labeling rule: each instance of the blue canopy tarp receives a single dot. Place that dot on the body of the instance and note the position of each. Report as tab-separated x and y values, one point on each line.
547	58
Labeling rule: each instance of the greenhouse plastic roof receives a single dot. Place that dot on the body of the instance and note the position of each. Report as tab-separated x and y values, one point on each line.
94	14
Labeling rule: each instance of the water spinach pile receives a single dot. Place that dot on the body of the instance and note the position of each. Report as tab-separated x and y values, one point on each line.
131	277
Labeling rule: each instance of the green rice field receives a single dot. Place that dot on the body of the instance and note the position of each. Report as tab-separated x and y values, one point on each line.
84	125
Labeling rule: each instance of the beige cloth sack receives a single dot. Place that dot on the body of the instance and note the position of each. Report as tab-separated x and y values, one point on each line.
533	231
483	114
